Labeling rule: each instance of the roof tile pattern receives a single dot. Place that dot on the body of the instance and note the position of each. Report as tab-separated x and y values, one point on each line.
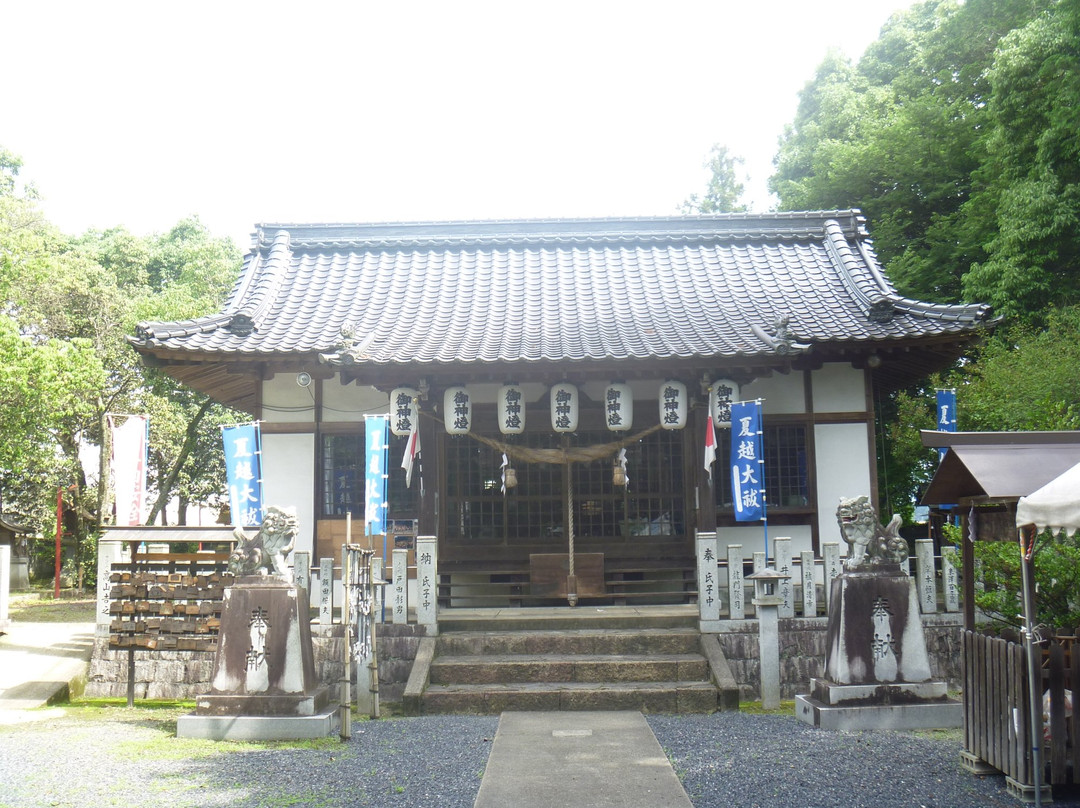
559	290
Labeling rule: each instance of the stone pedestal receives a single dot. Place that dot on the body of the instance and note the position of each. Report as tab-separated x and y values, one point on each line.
877	667
264	684
875	631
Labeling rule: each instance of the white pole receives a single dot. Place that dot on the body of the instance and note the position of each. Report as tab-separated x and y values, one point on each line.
1027	570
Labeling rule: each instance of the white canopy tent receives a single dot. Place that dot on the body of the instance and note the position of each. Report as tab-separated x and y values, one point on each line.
1055	506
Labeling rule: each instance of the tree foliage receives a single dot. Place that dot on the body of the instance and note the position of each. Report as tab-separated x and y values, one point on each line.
1031	174
65	361
955	132
1057	580
1024	379
919	134
726	185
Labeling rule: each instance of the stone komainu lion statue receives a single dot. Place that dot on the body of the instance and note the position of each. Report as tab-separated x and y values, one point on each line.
266	552
870	544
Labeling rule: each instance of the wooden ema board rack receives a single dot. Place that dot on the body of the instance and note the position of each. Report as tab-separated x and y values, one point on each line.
168	610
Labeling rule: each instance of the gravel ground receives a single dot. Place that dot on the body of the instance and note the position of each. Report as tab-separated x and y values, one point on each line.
91	757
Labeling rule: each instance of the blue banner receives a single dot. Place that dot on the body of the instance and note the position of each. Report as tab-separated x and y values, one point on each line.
377	443
243	470
946	415
747	462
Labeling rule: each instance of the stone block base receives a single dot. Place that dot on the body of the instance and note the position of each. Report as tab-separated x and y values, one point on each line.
259	727
975	765
929	715
1026	793
875	694
271	704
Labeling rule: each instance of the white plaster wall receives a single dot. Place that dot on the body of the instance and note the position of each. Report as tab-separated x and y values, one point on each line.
288	468
843	470
284	401
839	387
347	402
782	394
752	538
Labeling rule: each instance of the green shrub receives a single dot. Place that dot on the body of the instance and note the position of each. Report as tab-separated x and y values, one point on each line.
999	586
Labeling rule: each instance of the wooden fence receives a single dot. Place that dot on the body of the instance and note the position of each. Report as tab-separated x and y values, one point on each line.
997	712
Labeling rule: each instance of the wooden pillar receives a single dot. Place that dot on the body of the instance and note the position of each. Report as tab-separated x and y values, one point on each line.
706	491
968	528
431	458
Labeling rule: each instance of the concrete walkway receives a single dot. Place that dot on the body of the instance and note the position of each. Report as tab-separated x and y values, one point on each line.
41	663
584	759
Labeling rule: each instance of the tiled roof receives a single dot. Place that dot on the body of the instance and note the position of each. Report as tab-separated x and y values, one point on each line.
560	290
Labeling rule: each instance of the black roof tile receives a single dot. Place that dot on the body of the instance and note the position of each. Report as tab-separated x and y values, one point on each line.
509	291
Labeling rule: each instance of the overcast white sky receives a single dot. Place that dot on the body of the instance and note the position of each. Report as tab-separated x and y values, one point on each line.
140	113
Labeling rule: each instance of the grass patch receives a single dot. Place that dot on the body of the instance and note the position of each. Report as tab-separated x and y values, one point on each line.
39	606
755	708
952	734
162	716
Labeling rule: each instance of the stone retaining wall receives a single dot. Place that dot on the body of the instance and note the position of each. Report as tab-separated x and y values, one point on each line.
803	649
184	675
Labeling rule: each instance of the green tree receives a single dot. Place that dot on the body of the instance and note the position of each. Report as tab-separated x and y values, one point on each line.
726	185
1023	379
1031	175
901	135
66	363
183	273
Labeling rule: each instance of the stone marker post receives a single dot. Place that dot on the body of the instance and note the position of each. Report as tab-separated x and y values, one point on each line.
326	591
109	553
759	562
951	578
830	554
427	583
708	589
926	579
785	587
302	571
809	586
378	572
401	585
736	599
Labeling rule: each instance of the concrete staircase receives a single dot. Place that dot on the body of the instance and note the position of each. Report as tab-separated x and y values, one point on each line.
599	659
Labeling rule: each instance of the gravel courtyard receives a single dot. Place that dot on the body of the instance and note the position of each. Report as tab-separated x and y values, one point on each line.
110	756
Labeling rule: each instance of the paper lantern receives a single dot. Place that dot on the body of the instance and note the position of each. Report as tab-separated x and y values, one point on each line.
457	410
618	407
673	400
564	407
403	412
721	393
511	409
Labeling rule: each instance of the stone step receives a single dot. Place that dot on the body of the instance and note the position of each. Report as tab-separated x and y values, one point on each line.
649	697
541	619
558	668
654	641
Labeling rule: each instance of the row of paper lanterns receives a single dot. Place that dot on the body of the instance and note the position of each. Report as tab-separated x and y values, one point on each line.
618	404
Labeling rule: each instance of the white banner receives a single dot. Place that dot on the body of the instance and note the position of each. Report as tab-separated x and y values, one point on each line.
129	452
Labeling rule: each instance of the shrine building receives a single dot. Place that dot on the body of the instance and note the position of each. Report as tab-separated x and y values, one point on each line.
591	353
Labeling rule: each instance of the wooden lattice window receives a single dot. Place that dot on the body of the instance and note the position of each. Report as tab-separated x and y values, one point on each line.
343	477
786	479
653	503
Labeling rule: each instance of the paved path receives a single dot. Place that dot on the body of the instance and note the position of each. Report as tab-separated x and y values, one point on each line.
584	759
39	663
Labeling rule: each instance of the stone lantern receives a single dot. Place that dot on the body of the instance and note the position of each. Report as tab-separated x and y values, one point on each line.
766	602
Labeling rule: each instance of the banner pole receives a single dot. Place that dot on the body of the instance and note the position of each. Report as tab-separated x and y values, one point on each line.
761	467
